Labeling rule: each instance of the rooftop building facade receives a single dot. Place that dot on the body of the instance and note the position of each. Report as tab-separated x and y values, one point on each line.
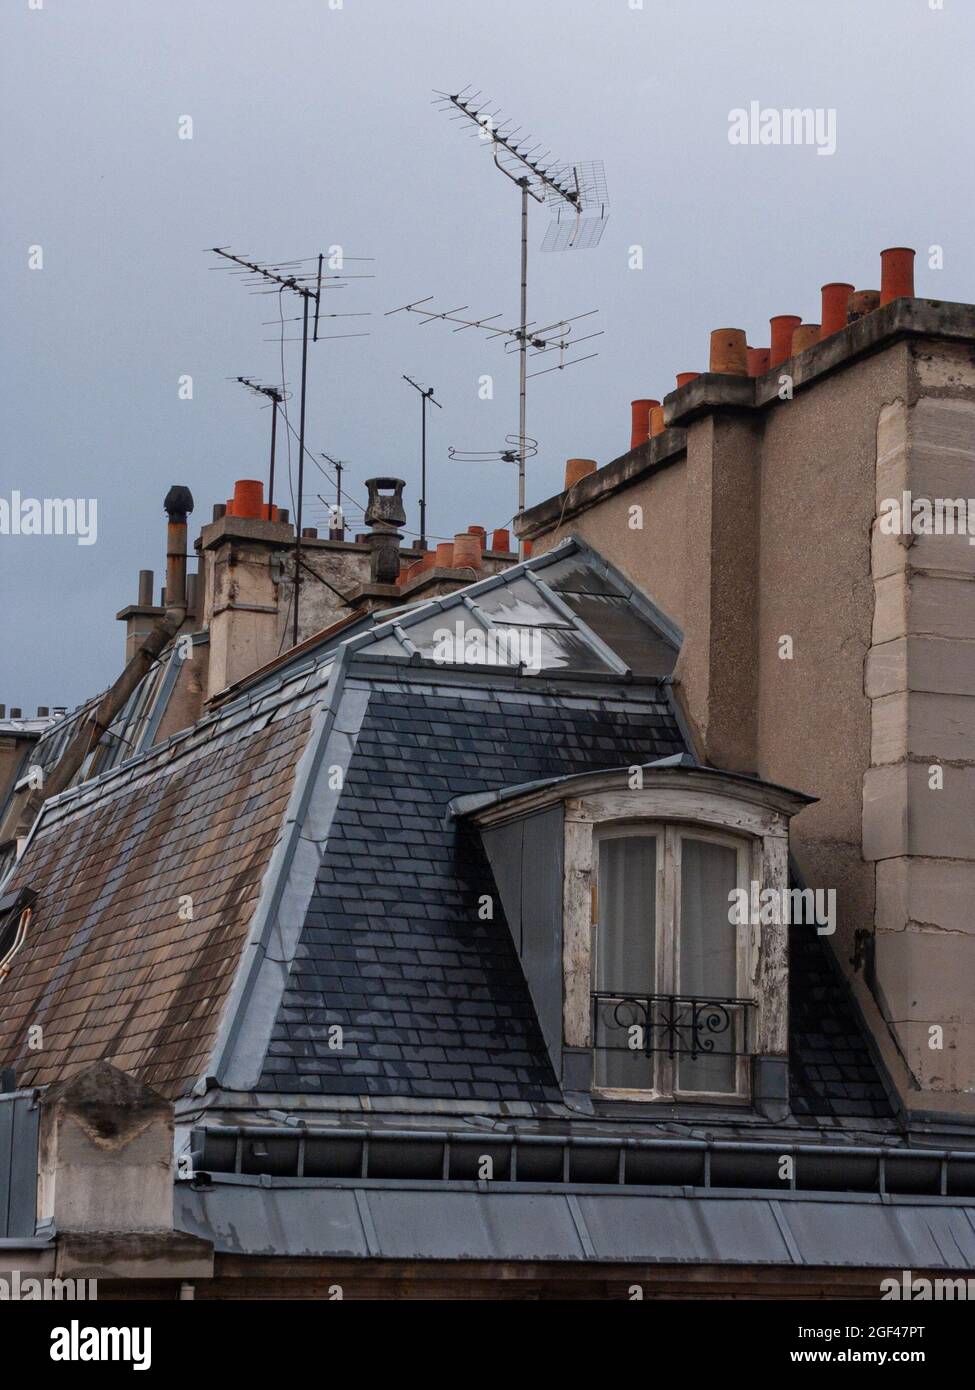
537	928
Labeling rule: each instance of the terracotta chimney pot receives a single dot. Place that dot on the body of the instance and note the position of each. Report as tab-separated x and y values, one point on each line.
640	430
445	555
862	302
467	551
501	540
805	336
836	299
782	326
683	378
248	498
577	469
657	425
896	273
729	352
758	359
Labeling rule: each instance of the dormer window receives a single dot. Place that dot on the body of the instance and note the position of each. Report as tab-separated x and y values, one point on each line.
622	890
670	1006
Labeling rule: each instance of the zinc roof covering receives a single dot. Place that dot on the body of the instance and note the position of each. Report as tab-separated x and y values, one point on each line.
248	1216
585	617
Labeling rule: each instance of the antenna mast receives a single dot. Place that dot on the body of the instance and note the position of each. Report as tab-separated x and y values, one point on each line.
426	394
308	286
276	395
577	193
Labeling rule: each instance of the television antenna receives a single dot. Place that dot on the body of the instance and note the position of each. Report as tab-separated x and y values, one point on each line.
266	277
530	340
511	453
576	193
426	395
276	395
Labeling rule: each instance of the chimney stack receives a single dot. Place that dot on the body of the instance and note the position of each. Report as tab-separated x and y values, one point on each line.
178	505
385	514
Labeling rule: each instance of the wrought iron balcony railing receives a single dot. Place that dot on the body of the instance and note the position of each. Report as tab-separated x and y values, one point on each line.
680	1025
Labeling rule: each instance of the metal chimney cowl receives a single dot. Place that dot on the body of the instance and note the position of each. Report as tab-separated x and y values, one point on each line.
385	514
178	504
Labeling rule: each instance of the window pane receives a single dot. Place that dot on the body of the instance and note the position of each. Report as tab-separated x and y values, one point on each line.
521	603
627	875
708	964
621	628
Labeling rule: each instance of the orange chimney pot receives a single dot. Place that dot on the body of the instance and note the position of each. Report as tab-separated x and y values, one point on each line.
467	551
805	336
640	416
862	302
248	498
836	299
729	352
782	326
577	469
896	273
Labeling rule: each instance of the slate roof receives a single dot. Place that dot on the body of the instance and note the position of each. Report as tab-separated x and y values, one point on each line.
832	1074
357	906
432	1000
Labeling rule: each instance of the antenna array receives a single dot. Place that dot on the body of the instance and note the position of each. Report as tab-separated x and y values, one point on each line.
577	193
274	277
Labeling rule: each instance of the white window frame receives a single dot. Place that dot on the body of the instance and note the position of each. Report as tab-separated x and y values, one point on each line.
669	837
756	812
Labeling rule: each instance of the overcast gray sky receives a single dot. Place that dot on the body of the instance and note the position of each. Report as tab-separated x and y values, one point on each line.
312	126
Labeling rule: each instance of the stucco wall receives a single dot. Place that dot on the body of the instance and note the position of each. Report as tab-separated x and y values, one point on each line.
787	497
818	490
652	557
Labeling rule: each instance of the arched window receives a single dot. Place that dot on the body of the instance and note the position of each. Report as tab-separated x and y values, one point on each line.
632	898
